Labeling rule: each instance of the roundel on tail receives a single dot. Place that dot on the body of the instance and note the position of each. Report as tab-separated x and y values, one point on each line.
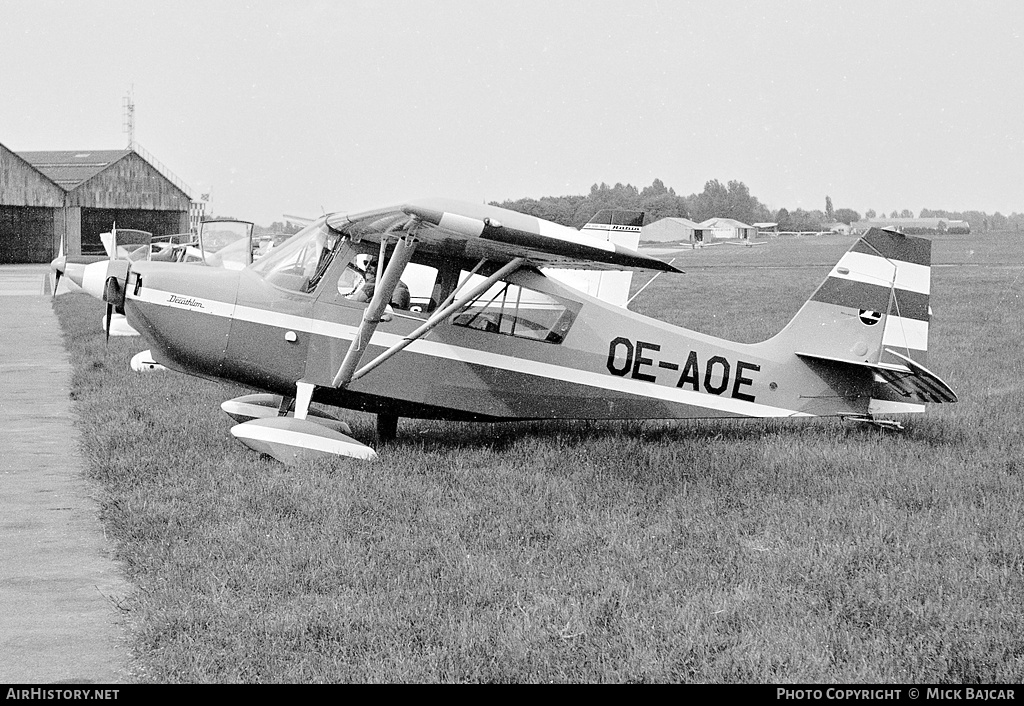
870	318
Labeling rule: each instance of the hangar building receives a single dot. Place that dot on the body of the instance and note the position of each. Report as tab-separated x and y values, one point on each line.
670	230
728	229
51	197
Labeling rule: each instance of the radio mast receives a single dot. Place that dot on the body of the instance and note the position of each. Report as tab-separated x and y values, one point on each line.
128	121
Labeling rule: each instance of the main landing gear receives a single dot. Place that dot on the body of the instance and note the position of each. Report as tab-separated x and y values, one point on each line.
387	427
269	427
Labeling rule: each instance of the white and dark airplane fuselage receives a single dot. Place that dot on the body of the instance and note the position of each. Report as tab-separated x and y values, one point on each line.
611	363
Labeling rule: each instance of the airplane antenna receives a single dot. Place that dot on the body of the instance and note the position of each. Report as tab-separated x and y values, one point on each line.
128	121
629	301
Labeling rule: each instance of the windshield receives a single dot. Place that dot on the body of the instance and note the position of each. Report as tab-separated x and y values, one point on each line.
301	260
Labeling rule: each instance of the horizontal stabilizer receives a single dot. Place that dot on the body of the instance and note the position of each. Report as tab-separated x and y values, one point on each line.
908	380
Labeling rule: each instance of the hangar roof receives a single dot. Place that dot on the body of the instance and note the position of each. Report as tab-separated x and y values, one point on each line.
69	168
681	221
723	223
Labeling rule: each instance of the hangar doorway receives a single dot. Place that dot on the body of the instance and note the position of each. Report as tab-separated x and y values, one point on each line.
26	234
101	220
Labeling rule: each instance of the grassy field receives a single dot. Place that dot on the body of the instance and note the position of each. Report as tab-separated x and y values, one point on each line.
736	551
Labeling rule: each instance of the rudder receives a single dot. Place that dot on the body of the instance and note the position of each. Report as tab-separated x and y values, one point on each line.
873	310
876	297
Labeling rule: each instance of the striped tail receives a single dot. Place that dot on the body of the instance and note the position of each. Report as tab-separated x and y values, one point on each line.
872	312
887	276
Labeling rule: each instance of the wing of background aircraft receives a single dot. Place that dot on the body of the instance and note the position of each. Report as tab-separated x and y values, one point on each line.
747	243
300	221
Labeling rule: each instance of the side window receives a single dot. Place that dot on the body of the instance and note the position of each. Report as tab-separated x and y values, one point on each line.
413	293
350	280
512	310
421	281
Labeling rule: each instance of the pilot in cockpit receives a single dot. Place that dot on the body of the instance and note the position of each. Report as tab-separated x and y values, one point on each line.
364	293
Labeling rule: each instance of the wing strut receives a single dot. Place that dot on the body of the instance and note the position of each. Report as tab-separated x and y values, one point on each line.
382	292
440	315
656	276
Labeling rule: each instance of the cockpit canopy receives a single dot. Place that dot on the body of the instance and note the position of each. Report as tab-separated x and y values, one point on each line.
513	307
300	261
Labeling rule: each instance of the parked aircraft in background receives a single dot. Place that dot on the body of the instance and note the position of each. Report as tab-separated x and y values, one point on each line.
498	339
746	243
226	243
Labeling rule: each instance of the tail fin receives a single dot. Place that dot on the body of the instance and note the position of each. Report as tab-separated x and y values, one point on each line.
872	311
621	227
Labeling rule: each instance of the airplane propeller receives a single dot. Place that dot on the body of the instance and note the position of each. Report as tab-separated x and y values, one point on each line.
107	319
59	263
58	266
113	295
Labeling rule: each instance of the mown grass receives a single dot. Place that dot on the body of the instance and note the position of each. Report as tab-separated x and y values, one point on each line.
735	551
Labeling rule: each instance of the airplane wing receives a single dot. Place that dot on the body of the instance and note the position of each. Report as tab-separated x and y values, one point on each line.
450	228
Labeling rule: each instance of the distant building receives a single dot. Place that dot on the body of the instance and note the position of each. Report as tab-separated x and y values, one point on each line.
727	229
72	196
914	226
670	230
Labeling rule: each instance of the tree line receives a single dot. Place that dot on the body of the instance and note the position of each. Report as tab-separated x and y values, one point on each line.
730	200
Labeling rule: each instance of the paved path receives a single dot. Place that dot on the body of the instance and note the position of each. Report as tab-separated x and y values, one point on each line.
59	587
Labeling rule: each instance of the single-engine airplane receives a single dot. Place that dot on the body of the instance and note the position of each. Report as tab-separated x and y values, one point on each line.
500	340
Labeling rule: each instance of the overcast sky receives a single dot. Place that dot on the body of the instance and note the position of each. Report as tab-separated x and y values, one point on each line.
298	106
